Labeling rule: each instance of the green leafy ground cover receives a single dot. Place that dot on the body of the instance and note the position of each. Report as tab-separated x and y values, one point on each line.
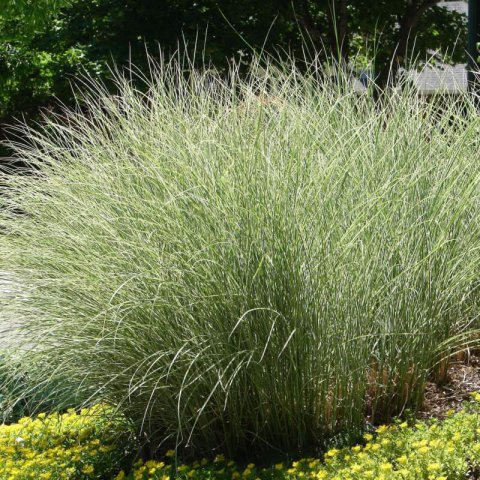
74	445
94	442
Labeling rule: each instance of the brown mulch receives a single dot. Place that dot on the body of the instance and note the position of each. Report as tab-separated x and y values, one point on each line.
463	378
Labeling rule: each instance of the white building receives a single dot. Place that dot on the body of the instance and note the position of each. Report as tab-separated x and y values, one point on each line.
449	78
429	79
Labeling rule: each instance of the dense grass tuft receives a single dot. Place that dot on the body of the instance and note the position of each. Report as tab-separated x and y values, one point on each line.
245	262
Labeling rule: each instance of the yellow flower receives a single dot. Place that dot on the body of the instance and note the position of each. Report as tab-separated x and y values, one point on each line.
434	467
476	396
170	453
279	466
368	437
386	467
332	453
120	476
382	428
88	469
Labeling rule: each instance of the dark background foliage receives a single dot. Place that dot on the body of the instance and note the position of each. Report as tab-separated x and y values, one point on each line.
45	44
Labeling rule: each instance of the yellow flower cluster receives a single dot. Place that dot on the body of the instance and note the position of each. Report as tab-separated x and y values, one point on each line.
93	443
435	450
88	444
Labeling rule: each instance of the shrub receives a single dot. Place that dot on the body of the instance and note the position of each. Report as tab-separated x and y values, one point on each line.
90	444
238	262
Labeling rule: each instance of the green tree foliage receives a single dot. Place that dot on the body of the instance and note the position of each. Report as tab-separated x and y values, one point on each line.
46	43
31	13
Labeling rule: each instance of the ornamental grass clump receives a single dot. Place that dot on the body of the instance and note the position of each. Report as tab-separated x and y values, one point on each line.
236	261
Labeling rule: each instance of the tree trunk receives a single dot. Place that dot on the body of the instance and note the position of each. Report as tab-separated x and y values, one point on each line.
407	24
337	36
306	20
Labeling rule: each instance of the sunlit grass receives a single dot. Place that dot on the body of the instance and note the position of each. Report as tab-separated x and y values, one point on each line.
245	263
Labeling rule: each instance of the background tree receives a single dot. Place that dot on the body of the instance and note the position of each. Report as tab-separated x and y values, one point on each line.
47	43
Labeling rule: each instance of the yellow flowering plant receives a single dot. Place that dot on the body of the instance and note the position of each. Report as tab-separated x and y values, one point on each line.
425	450
74	445
95	443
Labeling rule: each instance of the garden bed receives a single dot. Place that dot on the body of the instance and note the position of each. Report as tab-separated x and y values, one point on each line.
463	378
246	264
94	443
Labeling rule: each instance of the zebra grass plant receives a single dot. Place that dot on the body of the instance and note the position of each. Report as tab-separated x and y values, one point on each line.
244	262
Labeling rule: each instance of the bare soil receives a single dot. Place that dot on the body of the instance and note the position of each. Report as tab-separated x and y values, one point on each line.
463	378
